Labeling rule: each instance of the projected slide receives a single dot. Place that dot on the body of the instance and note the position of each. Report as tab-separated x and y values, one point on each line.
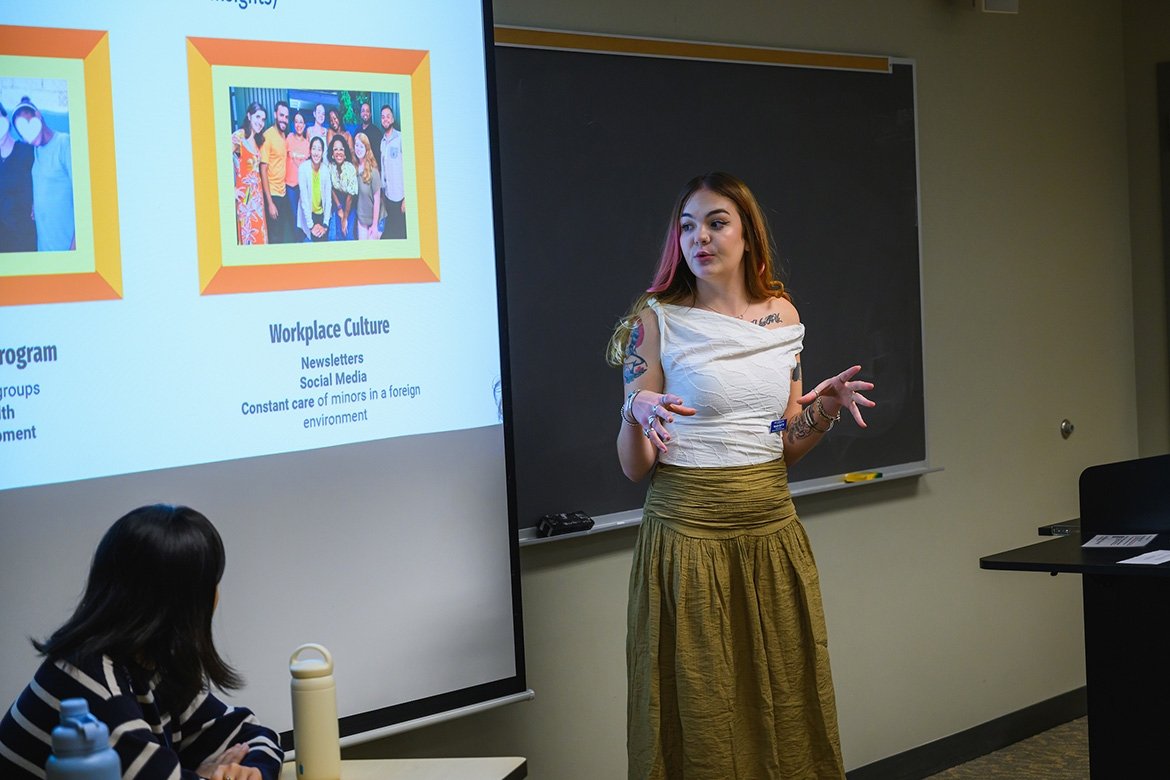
248	261
249	247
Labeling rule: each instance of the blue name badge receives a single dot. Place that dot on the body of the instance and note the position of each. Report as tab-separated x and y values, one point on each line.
778	425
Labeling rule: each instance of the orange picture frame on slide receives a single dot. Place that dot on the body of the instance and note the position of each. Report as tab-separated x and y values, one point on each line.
104	282
217	278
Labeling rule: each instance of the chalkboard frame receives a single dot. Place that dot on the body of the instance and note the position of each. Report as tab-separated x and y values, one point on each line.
562	415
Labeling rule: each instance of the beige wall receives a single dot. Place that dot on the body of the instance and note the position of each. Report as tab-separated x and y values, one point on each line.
1025	184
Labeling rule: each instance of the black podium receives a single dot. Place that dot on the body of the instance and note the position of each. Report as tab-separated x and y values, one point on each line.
1127	613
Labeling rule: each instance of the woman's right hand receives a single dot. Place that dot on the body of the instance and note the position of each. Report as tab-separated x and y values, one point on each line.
653	411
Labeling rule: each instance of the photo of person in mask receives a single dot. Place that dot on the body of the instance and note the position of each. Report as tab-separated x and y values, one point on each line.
18	231
52	178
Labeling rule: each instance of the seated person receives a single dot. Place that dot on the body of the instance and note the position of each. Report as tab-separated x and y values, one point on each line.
139	650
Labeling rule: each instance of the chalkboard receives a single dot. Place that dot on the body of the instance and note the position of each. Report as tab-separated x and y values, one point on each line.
594	148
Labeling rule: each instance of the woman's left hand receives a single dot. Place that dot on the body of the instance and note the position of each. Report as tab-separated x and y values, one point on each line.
841	392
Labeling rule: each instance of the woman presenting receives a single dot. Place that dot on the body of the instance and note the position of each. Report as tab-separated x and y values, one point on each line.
727	654
139	650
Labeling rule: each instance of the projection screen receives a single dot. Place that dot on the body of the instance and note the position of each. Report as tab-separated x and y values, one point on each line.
189	315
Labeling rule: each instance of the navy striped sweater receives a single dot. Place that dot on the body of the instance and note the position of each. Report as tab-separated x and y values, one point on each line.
155	740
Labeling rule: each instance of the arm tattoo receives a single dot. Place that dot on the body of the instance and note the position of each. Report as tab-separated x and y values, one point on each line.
764	322
634	365
798	428
796	372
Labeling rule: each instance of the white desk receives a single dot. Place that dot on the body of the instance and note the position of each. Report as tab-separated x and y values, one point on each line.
510	768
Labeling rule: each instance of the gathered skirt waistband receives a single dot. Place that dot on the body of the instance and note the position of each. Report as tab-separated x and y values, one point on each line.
721	502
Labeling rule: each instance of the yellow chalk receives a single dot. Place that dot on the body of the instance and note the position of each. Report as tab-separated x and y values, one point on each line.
861	476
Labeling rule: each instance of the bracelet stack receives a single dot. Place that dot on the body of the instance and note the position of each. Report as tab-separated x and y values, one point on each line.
628	409
820	410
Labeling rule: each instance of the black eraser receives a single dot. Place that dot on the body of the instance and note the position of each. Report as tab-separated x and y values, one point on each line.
563	523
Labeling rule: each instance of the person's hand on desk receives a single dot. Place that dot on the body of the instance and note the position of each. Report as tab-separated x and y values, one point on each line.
226	766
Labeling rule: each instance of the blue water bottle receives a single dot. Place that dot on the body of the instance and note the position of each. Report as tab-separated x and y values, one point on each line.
81	747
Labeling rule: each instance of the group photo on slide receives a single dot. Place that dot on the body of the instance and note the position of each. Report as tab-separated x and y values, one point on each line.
317	166
36	166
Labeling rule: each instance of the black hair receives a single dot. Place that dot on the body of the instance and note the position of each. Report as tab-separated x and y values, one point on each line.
292	120
344	146
253	107
393	113
329	152
24	105
277	105
148	602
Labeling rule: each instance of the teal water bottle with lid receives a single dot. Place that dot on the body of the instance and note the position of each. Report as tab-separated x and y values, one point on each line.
81	747
314	711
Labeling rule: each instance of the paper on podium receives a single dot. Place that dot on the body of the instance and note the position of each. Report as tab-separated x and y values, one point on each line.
1152	558
1120	540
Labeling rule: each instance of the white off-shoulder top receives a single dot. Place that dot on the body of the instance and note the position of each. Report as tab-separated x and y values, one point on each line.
735	374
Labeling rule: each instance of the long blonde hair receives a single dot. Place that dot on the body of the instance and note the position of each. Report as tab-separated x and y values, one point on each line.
674	282
369	163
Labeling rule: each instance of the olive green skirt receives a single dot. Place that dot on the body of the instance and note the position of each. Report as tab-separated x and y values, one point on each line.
726	650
